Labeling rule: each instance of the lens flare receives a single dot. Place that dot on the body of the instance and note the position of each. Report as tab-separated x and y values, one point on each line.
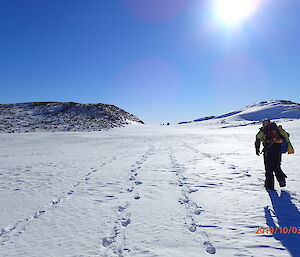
235	11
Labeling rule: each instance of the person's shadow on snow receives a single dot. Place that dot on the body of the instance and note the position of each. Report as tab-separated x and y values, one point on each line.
288	216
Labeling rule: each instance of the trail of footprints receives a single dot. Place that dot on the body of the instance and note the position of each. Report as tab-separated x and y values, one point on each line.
193	209
239	173
19	227
115	242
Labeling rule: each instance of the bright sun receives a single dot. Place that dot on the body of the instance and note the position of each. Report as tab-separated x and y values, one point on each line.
235	11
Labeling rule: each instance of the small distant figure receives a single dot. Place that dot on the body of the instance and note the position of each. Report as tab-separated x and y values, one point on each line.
168	124
275	141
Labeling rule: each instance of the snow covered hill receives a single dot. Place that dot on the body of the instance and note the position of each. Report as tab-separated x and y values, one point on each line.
62	116
274	110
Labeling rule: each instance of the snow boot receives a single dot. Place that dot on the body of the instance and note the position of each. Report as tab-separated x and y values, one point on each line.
282	183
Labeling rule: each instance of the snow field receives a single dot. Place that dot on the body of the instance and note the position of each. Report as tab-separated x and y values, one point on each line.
143	191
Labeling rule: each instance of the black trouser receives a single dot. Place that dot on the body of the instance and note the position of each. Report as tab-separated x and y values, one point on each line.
272	160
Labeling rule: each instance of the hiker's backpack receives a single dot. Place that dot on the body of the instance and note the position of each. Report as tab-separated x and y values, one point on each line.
272	133
286	146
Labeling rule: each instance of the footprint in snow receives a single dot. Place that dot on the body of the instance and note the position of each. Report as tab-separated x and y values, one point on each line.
70	192
192	190
8	229
193	227
39	213
209	247
77	184
107	241
125	222
137	197
184	200
122	208
197	211
130	189
56	201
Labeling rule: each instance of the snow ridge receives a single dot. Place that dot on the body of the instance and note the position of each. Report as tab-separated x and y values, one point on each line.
62	116
274	109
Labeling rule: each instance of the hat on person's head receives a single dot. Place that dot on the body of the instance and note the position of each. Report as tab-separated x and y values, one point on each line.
266	121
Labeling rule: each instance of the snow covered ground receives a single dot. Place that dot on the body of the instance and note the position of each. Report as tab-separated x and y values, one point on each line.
166	191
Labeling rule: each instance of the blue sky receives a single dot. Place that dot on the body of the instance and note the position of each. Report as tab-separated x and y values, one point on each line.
162	60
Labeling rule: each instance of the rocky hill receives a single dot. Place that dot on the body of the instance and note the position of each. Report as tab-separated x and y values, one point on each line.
62	116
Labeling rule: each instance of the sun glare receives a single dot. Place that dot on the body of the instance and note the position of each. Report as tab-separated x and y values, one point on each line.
235	11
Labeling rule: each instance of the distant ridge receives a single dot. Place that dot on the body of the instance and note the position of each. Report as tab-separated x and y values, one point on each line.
274	109
62	116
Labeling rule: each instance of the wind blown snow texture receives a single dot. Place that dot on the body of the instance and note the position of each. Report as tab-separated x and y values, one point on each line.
144	191
59	116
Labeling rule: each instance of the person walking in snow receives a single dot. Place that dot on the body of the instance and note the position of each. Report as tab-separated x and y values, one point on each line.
273	138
